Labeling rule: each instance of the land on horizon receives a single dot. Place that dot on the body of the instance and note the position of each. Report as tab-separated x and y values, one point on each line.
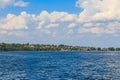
48	47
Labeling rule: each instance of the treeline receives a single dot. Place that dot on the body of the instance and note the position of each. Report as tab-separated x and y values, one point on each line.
47	47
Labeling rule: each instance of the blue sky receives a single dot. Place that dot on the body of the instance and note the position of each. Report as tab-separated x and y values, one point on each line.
35	7
73	22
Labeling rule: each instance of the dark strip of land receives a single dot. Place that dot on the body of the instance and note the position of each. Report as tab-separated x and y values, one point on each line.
47	47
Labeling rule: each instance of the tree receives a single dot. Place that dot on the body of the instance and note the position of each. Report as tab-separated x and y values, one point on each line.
117	49
111	49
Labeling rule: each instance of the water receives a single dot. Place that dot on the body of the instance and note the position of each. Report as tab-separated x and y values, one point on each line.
59	66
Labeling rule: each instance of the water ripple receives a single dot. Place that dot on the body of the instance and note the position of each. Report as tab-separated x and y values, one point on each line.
59	66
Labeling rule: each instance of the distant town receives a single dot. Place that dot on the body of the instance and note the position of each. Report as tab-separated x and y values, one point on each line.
48	47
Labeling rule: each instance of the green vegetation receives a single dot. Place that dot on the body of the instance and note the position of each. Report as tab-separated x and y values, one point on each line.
47	47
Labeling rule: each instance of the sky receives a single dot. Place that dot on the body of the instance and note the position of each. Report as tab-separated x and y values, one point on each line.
71	22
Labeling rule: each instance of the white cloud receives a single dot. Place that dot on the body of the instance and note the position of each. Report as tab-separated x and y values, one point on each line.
97	17
40	24
99	10
72	25
56	16
13	22
102	28
88	24
45	21
20	3
52	25
54	22
4	3
95	30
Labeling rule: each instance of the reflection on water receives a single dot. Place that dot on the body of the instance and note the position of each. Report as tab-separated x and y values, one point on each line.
59	66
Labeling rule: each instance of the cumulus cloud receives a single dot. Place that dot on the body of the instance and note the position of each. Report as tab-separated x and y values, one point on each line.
44	22
111	28
13	22
56	16
71	25
97	17
20	3
51	23
99	10
52	26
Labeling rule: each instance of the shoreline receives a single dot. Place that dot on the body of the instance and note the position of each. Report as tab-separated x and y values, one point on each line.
59	51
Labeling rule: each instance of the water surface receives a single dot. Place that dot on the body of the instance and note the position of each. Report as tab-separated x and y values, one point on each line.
59	66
